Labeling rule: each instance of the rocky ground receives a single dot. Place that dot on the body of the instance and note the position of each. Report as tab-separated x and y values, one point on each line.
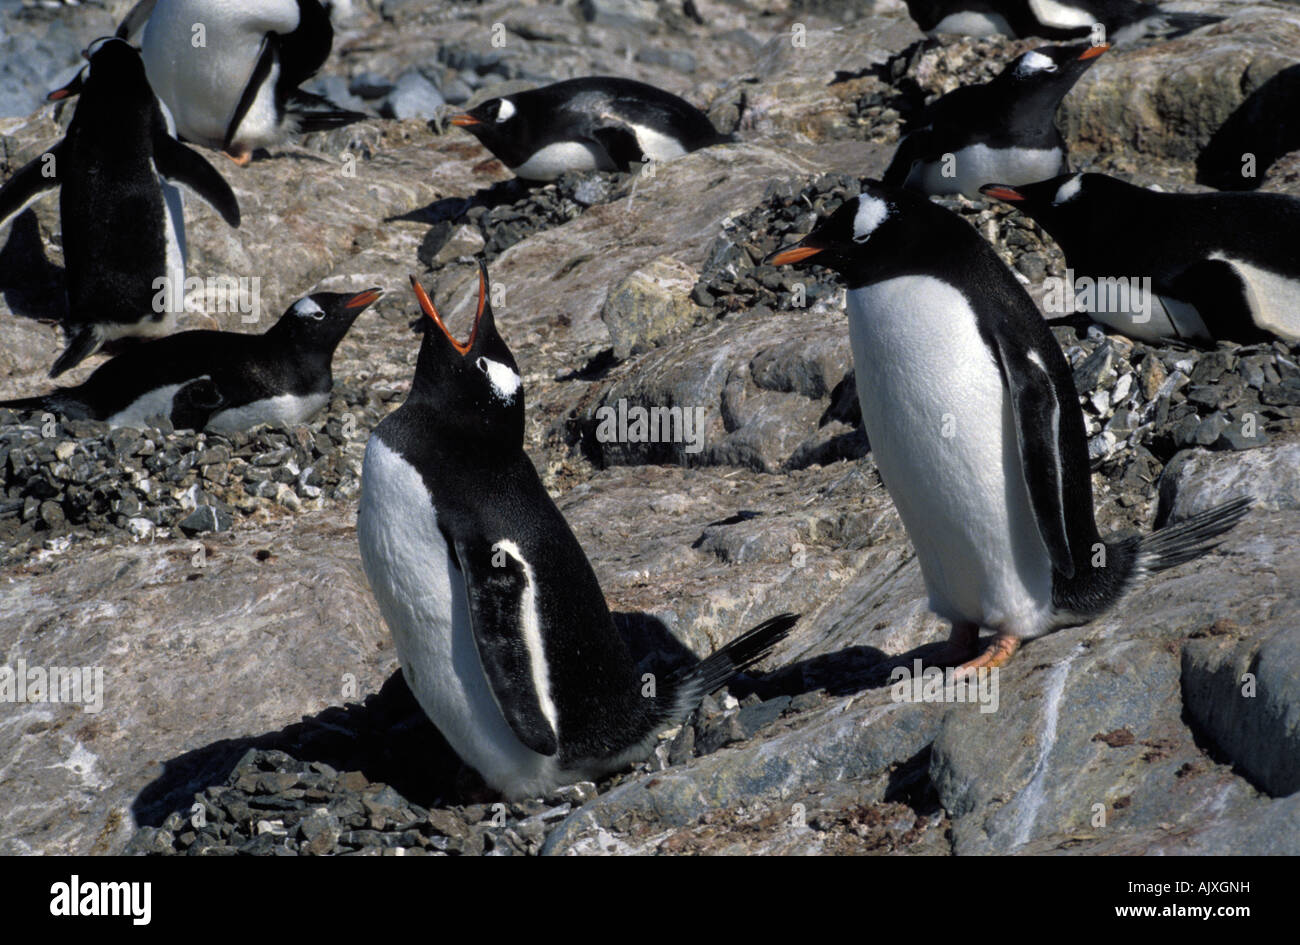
252	702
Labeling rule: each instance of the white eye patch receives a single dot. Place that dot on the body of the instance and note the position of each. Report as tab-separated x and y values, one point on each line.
1032	62
505	382
871	213
1069	190
309	309
506	111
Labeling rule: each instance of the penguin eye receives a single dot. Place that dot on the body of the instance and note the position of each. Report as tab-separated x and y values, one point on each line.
482	364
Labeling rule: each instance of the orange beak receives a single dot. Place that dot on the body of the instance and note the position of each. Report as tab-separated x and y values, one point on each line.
1092	52
426	304
794	254
361	300
1002	192
464	121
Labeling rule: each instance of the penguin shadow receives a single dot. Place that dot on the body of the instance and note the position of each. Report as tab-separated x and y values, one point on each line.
1266	126
32	285
451	210
388	738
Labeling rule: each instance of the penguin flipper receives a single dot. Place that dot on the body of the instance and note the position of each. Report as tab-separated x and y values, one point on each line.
134	21
620	143
1236	304
195	403
911	149
498	587
29	183
84	342
178	163
1037	413
314	112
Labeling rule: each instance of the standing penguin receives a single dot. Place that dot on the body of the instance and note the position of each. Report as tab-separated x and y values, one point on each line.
1124	21
502	630
976	429
596	123
122	225
1223	266
1004	130
219	380
229	70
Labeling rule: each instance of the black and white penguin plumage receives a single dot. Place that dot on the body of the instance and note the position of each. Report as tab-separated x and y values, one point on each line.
1001	131
596	123
1123	21
234	85
220	381
975	427
122	223
502	630
1223	266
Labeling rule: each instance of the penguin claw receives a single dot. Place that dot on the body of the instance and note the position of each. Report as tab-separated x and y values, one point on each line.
995	655
241	158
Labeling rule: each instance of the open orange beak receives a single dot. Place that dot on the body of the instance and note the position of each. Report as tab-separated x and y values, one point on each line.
792	254
362	299
1092	52
1002	192
426	304
465	121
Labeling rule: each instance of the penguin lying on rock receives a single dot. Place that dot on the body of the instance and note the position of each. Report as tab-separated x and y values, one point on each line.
598	123
1002	131
122	223
219	380
501	627
1123	21
1222	266
975	426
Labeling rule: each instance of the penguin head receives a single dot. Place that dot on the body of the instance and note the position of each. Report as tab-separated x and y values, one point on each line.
1052	67
472	387
318	322
500	124
873	234
1061	205
115	68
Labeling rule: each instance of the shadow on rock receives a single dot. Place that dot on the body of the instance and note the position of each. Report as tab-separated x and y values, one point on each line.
1266	125
386	737
32	286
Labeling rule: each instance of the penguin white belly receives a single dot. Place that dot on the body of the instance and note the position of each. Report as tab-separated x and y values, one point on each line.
421	594
156	403
978	164
1139	315
655	144
1273	299
551	161
973	23
284	409
1062	16
201	74
943	436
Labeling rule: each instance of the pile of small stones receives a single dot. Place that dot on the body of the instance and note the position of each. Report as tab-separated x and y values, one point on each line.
510	211
273	803
79	477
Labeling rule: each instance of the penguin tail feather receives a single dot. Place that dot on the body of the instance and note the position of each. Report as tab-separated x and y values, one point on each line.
1189	539
314	112
27	403
689	686
83	343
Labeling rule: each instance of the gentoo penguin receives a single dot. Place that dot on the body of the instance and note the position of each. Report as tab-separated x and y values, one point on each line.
1221	265
976	429
219	380
1123	21
500	625
1003	130
229	70
595	123
122	224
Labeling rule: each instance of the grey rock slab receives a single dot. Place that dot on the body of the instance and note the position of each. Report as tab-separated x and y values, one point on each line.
189	655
